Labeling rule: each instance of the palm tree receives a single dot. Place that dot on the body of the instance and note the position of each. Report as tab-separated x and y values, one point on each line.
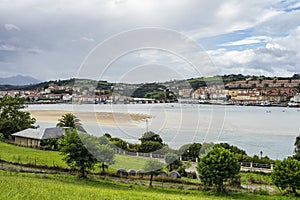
71	121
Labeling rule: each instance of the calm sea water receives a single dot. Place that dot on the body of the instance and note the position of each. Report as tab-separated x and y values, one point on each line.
271	130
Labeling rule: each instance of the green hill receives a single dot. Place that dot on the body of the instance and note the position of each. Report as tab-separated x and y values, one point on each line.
12	153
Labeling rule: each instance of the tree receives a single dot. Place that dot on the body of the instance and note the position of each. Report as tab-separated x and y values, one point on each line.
287	174
105	155
233	149
71	121
76	154
206	147
149	146
171	159
152	167
151	136
13	119
216	166
297	148
190	151
150	142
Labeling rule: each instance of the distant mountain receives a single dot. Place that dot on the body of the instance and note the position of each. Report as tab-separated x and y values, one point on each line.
18	80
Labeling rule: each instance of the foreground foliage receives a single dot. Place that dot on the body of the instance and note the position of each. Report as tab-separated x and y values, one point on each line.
287	174
13	119
75	152
297	148
216	166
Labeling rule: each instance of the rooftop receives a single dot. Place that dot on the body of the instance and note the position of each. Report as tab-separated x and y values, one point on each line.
40	134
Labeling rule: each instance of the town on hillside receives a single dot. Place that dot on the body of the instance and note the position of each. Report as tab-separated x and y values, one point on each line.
249	91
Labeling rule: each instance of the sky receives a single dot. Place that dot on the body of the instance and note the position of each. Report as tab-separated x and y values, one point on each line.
52	40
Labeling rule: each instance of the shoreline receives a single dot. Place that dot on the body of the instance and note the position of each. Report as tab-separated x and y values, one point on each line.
101	118
282	105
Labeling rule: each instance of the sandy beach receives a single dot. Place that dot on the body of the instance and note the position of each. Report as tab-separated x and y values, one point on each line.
101	118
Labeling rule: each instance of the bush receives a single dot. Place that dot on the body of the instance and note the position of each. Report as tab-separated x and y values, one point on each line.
260	191
217	166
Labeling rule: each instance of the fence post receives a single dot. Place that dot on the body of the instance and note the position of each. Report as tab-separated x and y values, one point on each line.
180	158
251	165
272	166
137	154
150	155
196	159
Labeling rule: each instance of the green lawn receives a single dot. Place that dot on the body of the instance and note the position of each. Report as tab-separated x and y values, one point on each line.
37	186
12	153
129	162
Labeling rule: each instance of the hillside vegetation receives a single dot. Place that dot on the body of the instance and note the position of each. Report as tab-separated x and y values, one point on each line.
23	155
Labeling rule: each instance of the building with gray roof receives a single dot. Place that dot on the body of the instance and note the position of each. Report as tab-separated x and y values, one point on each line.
33	137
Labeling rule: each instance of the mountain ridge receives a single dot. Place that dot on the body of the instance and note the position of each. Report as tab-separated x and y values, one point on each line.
19	80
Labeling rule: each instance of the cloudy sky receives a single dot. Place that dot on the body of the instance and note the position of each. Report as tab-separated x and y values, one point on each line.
53	39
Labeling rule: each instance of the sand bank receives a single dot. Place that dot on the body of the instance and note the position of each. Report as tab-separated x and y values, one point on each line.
101	118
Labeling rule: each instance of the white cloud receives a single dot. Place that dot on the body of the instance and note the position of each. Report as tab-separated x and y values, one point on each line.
247	41
11	27
59	34
5	47
280	54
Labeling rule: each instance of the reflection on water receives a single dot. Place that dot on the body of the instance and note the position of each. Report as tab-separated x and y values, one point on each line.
269	129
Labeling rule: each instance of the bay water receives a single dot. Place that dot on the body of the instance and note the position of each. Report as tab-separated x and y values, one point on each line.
272	130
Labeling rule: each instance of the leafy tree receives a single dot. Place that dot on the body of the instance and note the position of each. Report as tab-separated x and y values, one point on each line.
150	142
13	119
297	148
149	146
171	159
205	147
191	151
118	142
184	148
151	136
51	143
75	152
105	155
287	174
71	121
233	149
153	167
216	166
100	148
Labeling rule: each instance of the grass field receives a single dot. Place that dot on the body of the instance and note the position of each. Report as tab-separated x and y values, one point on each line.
26	186
37	186
12	153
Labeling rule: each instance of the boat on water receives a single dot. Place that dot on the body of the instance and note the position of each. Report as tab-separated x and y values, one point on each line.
265	103
293	105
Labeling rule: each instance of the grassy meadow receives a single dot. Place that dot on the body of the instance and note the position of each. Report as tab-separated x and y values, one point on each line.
37	186
12	153
16	185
